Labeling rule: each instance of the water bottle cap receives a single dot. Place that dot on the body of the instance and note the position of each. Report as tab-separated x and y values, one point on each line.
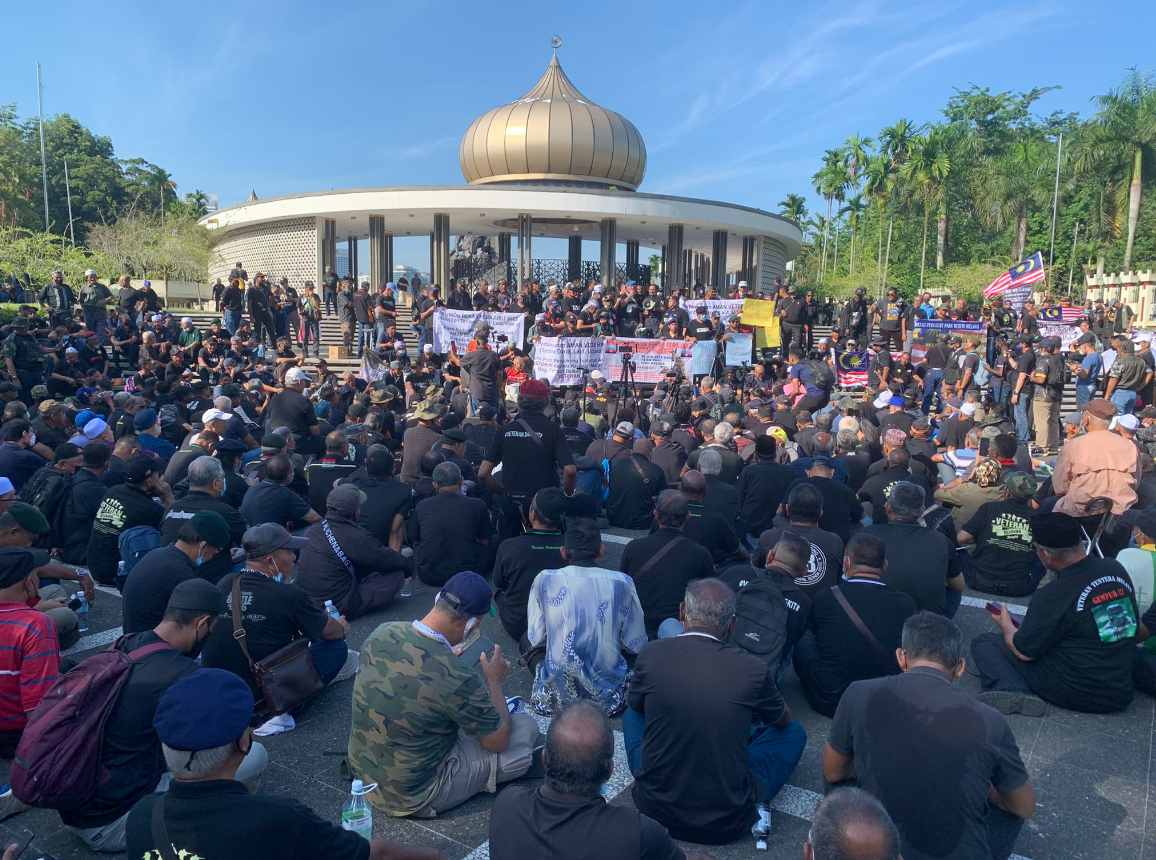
358	787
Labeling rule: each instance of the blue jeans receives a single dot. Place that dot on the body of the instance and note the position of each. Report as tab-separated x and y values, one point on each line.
932	389
232	321
1125	400
1022	411
773	753
952	599
1085	393
330	299
364	337
329	657
424	336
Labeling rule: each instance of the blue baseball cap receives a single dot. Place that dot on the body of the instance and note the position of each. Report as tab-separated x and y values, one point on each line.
84	416
204	710
468	593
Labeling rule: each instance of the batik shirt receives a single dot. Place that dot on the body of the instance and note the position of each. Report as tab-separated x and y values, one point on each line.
586	616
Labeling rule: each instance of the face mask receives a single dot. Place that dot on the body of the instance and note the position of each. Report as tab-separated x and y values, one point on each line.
32	441
278	576
199	646
199	561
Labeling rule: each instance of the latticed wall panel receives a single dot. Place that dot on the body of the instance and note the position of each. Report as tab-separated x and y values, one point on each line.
280	249
772	263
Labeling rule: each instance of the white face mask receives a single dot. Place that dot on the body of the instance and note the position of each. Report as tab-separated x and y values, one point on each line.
32	440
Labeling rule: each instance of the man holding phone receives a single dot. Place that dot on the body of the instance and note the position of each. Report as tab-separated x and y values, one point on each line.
430	727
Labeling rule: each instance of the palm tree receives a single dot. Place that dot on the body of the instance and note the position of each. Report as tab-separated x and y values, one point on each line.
879	183
926	171
793	206
897	141
839	180
1014	182
853	209
824	184
856	151
1125	126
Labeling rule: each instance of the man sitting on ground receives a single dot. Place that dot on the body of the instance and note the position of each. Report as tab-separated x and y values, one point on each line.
850	824
886	731
855	627
701	784
567	817
1003	561
130	751
708	528
584	616
203	725
1074	646
520	559
345	563
429	729
804	509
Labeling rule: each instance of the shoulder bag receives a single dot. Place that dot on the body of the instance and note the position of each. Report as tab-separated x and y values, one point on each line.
654	559
521	422
857	621
286	678
161	832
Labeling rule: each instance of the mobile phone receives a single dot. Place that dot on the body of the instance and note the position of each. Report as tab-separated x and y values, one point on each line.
74	604
481	645
21	836
995	610
983	446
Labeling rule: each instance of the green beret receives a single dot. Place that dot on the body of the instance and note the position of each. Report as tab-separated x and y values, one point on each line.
357	410
454	435
212	528
273	440
29	517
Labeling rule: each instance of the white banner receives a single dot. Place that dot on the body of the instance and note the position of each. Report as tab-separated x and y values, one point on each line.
725	307
566	360
458	327
1065	333
738	348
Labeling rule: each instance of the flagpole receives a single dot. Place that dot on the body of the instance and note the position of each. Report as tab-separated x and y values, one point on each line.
1056	202
68	194
1072	266
43	166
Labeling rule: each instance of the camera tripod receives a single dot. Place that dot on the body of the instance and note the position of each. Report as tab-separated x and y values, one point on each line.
626	383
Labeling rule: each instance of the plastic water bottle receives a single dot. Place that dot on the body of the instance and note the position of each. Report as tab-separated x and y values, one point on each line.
82	612
357	815
761	829
331	609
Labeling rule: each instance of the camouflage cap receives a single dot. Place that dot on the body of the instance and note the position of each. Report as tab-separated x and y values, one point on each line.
986	473
39	392
1022	485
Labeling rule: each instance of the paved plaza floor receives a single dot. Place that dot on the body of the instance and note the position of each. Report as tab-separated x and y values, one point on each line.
1092	773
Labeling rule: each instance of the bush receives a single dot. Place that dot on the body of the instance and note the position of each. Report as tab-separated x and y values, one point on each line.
38	254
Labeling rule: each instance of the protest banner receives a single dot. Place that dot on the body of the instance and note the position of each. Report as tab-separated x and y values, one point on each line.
1065	333
759	312
566	360
738	348
928	332
726	307
458	327
651	357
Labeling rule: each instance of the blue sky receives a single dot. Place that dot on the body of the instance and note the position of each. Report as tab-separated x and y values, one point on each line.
736	101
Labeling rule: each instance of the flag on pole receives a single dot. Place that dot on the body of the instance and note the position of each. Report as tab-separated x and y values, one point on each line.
851	368
1062	314
1026	272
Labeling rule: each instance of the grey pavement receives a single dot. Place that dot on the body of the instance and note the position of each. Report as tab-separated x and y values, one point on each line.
1092	773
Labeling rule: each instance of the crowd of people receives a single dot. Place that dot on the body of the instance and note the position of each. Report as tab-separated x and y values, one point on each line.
247	509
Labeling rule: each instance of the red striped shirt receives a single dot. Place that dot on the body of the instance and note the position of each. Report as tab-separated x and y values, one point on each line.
29	662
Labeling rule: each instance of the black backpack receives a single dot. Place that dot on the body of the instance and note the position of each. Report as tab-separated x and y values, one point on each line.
47	489
822	376
761	620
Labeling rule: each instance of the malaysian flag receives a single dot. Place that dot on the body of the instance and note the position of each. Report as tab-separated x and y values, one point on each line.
851	368
1027	272
1062	314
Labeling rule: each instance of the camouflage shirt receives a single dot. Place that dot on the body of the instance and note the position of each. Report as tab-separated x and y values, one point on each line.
410	698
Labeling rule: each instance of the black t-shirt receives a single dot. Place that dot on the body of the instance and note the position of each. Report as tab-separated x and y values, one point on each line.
1079	633
527	822
919	562
698	783
578	440
711	530
273	615
516	563
385	498
449	526
840	506
879	361
894	727
732	463
122	508
662	587
891	314
635	483
876	488
147	591
184	509
219	818
701	329
485	367
130	749
267	502
291	409
826	564
1025	364
363	307
937	357
858	462
762	487
1002	560
798	603
953	433
529	464
843	654
895	421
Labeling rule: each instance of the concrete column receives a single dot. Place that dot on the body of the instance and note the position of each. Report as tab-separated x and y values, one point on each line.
380	252
718	274
631	258
504	256
354	262
525	251
439	272
574	260
607	262
687	268
750	262
674	274
328	248
350	245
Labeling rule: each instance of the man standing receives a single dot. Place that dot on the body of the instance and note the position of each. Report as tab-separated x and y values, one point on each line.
700	784
1128	376
58	298
429	729
1087	371
1022	389
292	409
891	318
886	730
95	298
1048	377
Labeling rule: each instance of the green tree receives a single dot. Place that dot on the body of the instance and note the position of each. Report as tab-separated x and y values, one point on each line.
925	173
1014	183
853	210
1125	127
794	206
879	184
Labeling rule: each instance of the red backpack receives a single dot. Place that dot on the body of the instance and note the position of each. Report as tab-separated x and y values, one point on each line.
57	763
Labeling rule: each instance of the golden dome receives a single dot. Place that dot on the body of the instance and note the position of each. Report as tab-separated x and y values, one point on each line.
553	132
